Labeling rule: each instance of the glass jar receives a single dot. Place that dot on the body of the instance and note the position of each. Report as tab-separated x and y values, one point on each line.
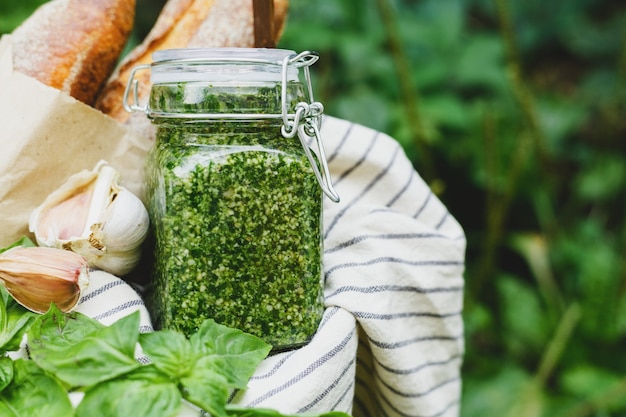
235	193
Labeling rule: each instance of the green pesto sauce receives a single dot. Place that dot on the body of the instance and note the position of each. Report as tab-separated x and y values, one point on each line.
236	215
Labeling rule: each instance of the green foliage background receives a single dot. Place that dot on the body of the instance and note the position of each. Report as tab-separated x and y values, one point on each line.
515	113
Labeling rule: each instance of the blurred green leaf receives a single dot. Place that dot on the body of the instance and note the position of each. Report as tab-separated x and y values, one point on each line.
364	106
477	318
589	38
430	74
529	402
559	119
480	64
440	23
445	110
588	254
493	394
523	316
603	179
535	250
601	390
586	380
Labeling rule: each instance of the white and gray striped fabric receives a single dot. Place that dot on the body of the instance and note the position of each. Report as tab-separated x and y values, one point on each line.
391	340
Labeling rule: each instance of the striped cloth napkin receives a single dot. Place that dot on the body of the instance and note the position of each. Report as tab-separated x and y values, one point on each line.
391	339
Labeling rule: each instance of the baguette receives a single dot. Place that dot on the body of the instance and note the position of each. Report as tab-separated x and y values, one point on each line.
184	24
73	45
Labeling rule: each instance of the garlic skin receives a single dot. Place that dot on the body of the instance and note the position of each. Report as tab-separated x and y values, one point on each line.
92	215
38	276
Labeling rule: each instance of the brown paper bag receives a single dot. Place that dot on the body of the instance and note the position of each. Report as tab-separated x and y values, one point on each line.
46	136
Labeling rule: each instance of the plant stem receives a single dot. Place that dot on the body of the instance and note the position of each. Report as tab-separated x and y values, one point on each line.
526	102
492	171
522	94
408	91
557	345
497	214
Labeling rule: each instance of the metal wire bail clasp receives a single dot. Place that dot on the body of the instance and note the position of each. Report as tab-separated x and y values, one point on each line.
133	85
306	122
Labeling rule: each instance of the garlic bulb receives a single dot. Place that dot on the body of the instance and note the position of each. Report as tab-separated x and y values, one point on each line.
92	215
38	276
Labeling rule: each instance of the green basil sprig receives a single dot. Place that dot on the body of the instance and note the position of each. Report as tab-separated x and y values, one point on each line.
72	353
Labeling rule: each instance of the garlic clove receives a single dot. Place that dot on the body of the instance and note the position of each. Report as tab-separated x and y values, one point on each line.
126	223
63	214
106	259
38	276
122	262
91	214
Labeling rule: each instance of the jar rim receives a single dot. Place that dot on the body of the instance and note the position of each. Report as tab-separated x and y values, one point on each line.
222	65
259	55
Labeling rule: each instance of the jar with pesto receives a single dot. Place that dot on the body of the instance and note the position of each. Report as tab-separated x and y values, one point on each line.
235	191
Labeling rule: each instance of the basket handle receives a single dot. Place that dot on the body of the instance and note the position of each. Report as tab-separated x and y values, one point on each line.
263	11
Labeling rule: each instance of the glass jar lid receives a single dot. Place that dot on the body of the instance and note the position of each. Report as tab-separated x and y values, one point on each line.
221	65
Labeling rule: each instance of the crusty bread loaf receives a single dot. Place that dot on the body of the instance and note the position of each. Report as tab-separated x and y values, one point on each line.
73	45
185	24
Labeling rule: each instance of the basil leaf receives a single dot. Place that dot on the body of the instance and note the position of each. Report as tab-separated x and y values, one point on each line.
144	392
33	393
4	297
240	352
208	365
15	320
6	372
56	345
206	387
5	410
169	351
57	331
24	241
